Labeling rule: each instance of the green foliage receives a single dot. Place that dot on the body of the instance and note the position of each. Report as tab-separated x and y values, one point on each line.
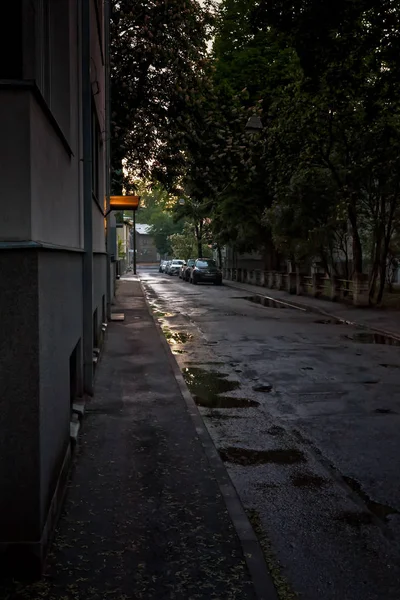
320	181
121	250
184	245
158	50
156	210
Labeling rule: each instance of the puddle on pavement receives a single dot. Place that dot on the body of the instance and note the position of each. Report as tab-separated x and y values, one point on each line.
246	456
276	430
263	387
207	387
176	337
325	321
308	480
355	519
213	414
382	511
205	362
373	338
266	301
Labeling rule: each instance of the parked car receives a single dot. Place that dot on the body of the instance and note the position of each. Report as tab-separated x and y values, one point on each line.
167	266
205	270
163	264
187	269
182	270
175	266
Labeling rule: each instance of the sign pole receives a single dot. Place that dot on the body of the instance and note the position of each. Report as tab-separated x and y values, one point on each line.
134	242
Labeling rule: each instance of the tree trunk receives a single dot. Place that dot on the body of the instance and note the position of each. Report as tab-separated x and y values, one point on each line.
198	232
383	265
219	256
357	247
376	260
270	256
382	282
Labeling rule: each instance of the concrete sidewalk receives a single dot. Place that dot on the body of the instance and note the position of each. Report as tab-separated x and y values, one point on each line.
381	321
145	516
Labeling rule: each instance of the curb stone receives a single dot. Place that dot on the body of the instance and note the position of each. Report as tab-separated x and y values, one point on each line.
253	554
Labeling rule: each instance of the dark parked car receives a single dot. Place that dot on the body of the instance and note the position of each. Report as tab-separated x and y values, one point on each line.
205	270
187	269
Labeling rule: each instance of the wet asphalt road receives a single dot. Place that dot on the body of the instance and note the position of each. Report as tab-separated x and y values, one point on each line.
307	419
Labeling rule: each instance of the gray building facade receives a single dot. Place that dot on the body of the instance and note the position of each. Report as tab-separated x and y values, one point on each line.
54	270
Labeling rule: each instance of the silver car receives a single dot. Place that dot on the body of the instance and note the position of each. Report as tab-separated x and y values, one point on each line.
163	264
175	267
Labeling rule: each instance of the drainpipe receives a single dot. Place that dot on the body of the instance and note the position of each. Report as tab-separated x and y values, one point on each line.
87	200
107	16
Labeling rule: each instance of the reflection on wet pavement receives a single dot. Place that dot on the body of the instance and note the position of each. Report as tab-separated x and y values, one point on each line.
382	511
268	302
206	387
366	337
308	480
176	337
245	456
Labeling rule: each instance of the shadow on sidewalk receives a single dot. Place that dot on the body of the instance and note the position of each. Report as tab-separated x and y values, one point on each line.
144	517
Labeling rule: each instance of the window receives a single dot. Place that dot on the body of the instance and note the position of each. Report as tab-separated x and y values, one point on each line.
11	40
205	263
42	39
52	59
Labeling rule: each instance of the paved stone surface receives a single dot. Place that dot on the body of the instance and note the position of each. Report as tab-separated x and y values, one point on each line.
381	319
315	459
144	517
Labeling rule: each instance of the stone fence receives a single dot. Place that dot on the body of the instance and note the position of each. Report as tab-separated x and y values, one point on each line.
354	291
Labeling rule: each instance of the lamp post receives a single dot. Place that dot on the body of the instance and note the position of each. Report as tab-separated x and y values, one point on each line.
134	242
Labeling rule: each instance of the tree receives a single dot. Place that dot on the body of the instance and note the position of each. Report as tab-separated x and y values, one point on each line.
157	53
156	210
185	244
350	92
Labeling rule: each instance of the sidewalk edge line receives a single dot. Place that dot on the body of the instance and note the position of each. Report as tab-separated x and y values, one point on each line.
260	576
317	310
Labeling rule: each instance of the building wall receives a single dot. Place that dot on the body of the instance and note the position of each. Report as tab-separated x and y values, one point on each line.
41	264
60	330
100	262
55	198
15	221
19	393
146	250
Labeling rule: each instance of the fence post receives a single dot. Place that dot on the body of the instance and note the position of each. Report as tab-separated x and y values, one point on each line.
291	283
299	284
335	284
316	283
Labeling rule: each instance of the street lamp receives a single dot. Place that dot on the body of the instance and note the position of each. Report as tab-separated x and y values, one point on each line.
254	124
